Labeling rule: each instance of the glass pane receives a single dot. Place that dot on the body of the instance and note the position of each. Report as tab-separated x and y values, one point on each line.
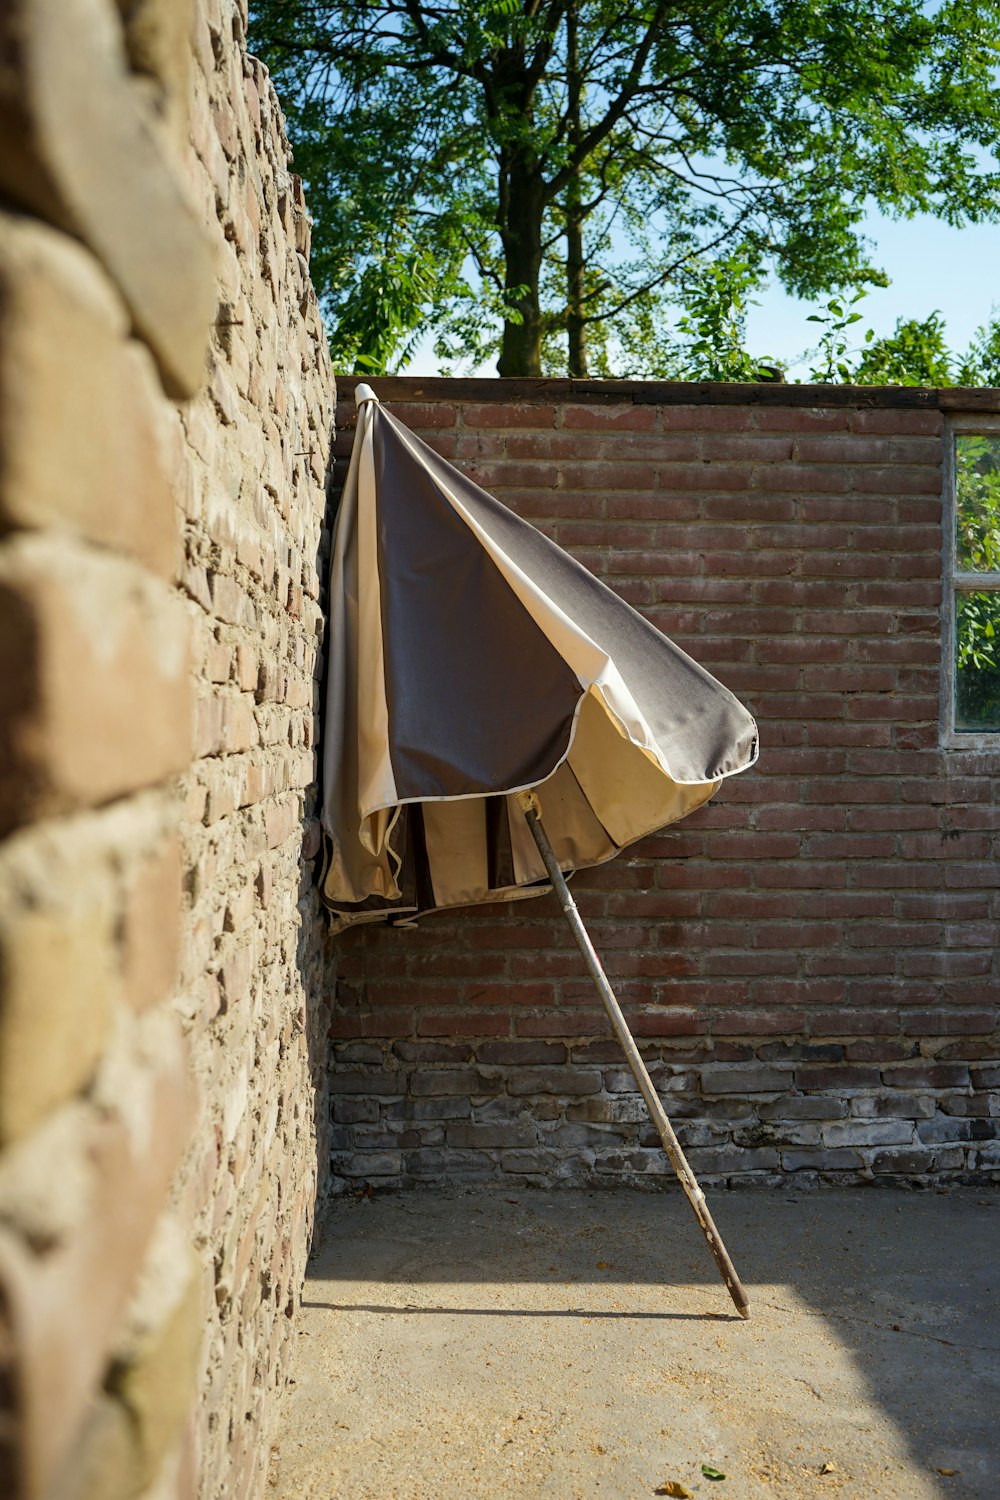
977	503
977	662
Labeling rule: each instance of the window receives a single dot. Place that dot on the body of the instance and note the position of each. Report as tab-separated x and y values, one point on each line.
973	602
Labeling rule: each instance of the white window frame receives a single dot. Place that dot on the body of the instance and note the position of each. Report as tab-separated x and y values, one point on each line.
957	581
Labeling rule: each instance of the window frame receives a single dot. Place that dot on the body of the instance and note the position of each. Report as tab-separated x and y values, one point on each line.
956	581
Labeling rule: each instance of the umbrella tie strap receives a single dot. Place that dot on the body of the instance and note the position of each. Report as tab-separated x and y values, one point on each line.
528	803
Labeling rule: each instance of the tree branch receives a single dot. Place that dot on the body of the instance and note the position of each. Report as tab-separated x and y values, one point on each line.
446	57
670	270
602	128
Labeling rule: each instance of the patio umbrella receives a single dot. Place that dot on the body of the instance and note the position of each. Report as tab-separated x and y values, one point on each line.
496	717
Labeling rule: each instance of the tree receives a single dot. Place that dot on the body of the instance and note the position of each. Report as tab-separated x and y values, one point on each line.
529	173
915	353
980	365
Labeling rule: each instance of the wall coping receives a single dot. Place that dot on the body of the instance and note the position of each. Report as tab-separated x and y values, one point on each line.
436	388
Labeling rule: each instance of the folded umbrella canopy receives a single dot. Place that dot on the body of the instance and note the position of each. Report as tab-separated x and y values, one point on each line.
471	658
477	672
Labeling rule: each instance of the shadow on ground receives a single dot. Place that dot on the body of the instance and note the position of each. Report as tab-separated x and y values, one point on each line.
481	1342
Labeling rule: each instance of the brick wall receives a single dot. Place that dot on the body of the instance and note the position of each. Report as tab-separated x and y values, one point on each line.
165	406
810	962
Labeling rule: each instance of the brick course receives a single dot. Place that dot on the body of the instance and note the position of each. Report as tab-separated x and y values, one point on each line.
817	944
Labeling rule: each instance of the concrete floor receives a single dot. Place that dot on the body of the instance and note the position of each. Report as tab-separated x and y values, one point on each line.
481	1343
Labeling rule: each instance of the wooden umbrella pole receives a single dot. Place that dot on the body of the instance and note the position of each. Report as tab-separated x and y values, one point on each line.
532	812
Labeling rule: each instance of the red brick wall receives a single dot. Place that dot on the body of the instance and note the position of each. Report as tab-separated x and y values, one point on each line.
810	960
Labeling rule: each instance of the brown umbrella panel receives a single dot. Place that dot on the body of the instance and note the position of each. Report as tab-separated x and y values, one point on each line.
472	659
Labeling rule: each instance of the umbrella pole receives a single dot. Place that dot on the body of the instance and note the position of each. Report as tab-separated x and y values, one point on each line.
532	812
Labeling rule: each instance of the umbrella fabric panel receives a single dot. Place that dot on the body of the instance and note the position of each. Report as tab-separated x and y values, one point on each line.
473	850
478	697
622	783
701	729
358	867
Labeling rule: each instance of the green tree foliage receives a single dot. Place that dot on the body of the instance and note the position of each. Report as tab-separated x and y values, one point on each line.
977	518
696	332
981	363
716	301
915	353
545	179
833	352
977	550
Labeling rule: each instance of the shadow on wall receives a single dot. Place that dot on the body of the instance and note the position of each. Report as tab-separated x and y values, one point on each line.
315	951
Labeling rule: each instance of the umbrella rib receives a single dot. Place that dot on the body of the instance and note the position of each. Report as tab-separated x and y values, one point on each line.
531	808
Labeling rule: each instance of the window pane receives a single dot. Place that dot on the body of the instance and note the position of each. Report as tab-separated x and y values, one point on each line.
977	503
977	662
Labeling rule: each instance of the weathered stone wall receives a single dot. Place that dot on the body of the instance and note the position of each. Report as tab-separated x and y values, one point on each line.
165	410
253	957
810	962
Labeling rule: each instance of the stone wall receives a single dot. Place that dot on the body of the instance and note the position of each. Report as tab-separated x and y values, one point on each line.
810	962
165	410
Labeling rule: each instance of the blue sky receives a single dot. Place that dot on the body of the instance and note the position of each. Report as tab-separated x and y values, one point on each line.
930	265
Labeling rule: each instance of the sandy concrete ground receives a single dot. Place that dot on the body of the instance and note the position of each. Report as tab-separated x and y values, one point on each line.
481	1343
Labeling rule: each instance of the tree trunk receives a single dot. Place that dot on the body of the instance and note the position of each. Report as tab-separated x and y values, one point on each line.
576	328
520	222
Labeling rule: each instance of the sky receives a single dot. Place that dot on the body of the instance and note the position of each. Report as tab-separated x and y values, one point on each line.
930	265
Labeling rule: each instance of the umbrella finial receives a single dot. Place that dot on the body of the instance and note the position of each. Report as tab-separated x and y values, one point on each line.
363	393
